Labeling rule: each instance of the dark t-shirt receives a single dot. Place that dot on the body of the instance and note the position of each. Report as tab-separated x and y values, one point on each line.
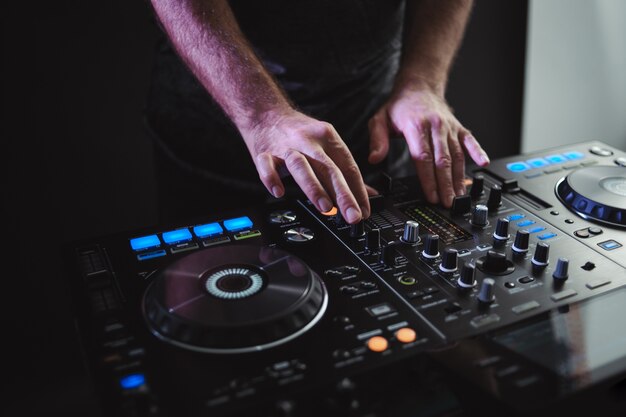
336	59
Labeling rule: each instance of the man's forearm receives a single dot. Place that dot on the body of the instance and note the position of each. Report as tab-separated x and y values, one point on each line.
207	37
433	32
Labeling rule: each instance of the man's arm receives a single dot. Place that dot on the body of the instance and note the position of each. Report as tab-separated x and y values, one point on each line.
417	107
207	37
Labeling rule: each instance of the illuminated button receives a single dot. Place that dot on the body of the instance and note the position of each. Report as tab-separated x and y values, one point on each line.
406	335
573	155
610	244
145	242
176	236
547	236
208	230
514	217
525	223
132	381
556	159
239	223
537	162
518	166
331	212
377	344
537	229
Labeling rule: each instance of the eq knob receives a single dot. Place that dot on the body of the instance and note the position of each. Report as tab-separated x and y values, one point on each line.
372	240
388	255
431	247
357	229
495	263
411	232
479	215
541	257
521	242
495	198
461	205
486	294
477	187
501	234
467	278
561	271
449	261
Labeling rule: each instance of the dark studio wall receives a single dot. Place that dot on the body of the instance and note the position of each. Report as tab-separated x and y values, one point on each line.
77	162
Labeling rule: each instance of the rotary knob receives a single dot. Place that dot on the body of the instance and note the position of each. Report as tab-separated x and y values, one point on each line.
561	271
541	257
495	198
501	233
467	278
495	263
449	261
486	294
479	215
461	205
410	236
521	242
388	255
357	229
477	187
431	247
372	240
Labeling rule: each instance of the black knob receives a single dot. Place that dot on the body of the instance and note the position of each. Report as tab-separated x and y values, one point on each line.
388	255
431	247
542	254
495	198
486	291
521	241
357	229
339	220
372	240
479	215
410	236
494	263
477	187
562	265
461	205
502	230
467	278
449	260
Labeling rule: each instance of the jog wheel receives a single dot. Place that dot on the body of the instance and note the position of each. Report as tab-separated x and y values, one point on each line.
234	299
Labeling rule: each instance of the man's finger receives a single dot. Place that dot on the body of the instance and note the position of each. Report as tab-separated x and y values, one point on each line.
458	165
307	181
443	162
379	137
418	141
266	167
474	149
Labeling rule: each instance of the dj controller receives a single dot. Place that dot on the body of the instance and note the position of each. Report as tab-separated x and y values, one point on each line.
512	302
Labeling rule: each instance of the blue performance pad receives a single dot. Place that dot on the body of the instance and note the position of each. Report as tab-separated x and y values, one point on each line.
206	230
556	159
537	229
239	223
573	155
132	381
175	236
145	242
537	162
514	217
546	236
525	223
518	166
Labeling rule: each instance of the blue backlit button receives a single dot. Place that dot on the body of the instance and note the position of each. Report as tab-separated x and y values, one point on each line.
145	242
175	236
207	230
525	223
537	162
537	229
514	217
132	381
518	166
239	223
546	236
610	244
573	155
556	159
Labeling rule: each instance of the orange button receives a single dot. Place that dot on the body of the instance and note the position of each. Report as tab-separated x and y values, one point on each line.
377	344
331	212
406	335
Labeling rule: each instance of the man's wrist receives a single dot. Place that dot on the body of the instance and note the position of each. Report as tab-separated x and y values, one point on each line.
412	81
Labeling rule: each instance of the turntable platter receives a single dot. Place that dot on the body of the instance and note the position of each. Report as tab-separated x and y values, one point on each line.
234	299
596	193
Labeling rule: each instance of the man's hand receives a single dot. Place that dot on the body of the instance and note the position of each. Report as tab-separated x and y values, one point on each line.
316	157
435	139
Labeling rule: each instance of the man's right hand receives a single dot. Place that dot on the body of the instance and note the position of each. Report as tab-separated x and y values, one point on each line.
315	156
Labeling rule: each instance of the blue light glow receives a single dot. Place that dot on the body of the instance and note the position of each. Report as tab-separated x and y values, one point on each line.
132	381
537	229
546	236
518	166
176	236
538	162
145	242
574	155
150	255
556	159
514	217
239	223
206	230
525	223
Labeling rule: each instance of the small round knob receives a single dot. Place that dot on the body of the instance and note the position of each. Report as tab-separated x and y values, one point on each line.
410	236
388	255
479	215
467	278
431	247
561	271
357	229
502	230
542	254
486	291
495	198
372	240
339	220
477	187
449	260
521	241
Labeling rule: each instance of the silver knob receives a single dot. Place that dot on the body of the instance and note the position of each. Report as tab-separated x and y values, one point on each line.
479	215
486	291
410	236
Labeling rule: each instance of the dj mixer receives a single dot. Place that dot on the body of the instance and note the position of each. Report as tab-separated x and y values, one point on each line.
509	303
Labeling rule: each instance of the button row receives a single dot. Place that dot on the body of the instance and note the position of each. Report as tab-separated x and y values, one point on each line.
521	166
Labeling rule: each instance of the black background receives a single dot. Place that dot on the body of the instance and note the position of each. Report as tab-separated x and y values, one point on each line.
77	162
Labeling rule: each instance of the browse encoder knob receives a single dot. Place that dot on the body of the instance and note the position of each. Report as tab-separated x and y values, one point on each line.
561	271
542	254
357	229
410	236
467	278
495	198
521	241
372	240
479	215
449	260
477	187
486	294
431	247
502	230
